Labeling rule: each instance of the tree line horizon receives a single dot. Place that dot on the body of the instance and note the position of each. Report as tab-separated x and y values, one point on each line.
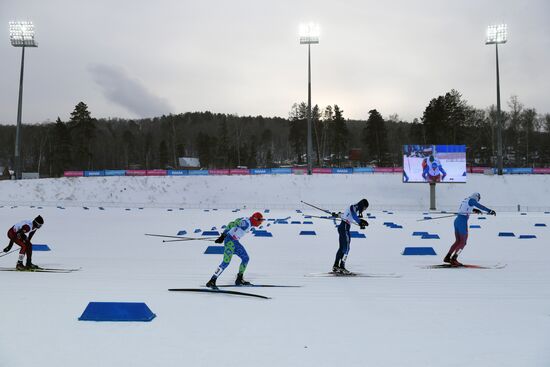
228	141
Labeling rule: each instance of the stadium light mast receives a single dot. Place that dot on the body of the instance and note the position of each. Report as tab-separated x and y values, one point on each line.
498	34
309	34
21	35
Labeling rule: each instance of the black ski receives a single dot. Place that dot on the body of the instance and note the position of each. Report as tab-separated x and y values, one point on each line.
352	275
259	286
41	270
464	266
209	290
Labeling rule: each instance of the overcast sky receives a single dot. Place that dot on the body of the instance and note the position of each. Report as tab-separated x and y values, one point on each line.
137	58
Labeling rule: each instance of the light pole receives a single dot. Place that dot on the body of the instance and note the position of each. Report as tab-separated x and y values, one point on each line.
21	35
498	34
309	34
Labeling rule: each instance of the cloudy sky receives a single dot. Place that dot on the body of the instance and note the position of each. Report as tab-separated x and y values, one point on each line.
137	58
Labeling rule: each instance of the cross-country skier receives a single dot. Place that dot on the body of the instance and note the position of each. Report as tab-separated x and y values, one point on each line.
432	170
22	233
230	238
354	213
469	205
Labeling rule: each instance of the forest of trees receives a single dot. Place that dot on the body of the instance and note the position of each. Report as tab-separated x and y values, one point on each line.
228	141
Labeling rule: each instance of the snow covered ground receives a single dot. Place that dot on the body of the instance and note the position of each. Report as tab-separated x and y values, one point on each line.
427	317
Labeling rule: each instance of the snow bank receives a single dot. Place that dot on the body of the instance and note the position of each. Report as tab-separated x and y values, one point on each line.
384	191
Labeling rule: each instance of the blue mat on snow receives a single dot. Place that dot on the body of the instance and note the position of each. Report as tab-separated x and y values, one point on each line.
261	233
540	224
475	226
506	234
419	251
419	233
182	232
210	233
526	236
214	250
40	247
355	234
430	236
117	311
308	233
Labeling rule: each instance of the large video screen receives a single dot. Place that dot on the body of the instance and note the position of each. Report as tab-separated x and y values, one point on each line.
434	163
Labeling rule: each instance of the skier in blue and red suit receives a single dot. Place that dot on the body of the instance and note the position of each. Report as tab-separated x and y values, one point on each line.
21	233
432	170
354	213
230	238
469	205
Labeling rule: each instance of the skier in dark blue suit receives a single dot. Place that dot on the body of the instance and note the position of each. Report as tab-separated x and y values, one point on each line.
354	213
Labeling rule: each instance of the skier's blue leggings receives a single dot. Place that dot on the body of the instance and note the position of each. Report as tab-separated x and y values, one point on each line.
233	247
344	239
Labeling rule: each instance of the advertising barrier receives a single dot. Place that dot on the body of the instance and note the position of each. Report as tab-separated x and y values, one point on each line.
260	171
342	170
177	172
94	173
321	170
541	170
217	172
136	172
281	171
363	170
198	172
239	171
117	172
156	172
73	173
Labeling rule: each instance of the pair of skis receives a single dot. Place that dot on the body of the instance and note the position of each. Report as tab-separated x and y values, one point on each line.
42	270
238	293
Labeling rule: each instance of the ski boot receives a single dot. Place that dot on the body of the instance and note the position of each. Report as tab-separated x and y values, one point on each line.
455	262
447	258
344	271
31	266
212	283
336	270
240	281
20	266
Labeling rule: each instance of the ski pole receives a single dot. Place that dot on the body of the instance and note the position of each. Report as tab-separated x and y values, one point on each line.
329	218
316	207
7	253
445	216
178	237
192	239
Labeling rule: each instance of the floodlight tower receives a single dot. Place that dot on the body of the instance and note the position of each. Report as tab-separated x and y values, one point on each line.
309	34
21	35
498	34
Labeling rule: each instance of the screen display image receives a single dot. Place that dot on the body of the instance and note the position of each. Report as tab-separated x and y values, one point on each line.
434	163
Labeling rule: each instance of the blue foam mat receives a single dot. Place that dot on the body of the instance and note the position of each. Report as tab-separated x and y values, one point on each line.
419	251
506	234
182	232
40	247
475	226
526	236
214	250
308	233
117	311
540	224
355	234
417	233
430	236
210	233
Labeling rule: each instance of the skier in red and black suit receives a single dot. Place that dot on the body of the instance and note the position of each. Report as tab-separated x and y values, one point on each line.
22	233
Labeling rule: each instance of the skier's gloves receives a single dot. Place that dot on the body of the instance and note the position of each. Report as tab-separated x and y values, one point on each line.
492	212
221	238
476	211
7	249
363	223
334	215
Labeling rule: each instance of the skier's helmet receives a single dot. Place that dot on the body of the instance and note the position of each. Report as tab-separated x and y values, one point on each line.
38	222
476	196
362	205
256	219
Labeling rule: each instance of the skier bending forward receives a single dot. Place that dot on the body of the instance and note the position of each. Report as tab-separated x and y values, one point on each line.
230	238
469	205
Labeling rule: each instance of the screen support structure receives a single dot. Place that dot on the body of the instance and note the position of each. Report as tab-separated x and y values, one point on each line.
432	196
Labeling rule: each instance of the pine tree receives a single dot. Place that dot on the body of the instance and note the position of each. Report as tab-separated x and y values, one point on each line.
339	135
83	130
374	138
